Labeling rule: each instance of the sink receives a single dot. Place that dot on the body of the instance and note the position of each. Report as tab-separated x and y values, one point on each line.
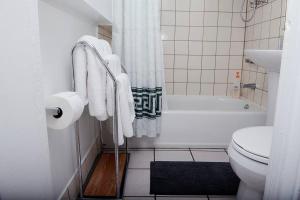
269	59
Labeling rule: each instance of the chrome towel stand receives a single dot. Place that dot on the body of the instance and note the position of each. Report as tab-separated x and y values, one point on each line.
86	45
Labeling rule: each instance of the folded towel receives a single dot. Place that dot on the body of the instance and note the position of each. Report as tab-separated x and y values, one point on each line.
125	100
95	87
125	103
80	74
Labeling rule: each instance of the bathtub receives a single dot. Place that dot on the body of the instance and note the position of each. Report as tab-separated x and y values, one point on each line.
202	122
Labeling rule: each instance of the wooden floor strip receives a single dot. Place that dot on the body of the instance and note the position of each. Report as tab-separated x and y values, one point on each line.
102	180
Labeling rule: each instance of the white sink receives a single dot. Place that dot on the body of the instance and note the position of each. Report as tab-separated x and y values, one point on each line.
269	59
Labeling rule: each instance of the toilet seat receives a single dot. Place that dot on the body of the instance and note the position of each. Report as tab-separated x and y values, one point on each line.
254	143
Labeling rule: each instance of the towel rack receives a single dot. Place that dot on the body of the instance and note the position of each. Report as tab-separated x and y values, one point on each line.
86	45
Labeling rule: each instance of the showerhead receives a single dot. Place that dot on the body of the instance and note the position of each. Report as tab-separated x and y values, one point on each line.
253	4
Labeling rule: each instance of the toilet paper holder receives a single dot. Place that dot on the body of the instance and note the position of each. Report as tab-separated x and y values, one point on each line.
56	112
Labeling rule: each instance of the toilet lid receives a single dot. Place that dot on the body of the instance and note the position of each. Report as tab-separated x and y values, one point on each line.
254	142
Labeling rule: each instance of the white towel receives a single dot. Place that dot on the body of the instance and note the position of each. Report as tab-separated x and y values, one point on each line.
95	87
125	104
80	74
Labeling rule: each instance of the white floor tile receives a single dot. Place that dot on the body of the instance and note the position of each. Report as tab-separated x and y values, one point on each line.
216	197
137	182
181	198
138	198
203	149
163	155
172	149
210	156
141	158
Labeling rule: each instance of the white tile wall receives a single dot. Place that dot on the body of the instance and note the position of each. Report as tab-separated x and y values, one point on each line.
105	33
204	41
203	44
168	18
264	32
197	5
168	5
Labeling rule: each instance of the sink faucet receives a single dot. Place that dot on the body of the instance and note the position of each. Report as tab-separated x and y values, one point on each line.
248	85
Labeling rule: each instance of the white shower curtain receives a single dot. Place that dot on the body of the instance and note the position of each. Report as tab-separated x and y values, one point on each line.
136	39
283	178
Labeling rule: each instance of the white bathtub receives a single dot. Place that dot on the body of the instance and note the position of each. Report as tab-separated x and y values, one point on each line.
202	121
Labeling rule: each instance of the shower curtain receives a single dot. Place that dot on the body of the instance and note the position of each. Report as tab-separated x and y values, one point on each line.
136	39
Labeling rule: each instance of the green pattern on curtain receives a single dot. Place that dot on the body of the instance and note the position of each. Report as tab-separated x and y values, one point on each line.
137	40
148	102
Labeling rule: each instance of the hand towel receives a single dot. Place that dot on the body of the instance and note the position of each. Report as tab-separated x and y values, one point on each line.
125	106
80	74
125	102
96	77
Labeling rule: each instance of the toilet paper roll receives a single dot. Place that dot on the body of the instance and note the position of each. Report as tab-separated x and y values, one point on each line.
71	105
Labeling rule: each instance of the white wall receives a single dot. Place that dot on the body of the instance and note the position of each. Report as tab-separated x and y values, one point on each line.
24	154
103	6
59	31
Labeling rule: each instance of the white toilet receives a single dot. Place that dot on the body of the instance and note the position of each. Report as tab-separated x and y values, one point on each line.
250	148
249	153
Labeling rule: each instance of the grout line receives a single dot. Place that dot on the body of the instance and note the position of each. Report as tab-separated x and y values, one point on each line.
220	69
168	25
188	44
194	11
208	149
262	21
140	149
203	30
264	38
68	194
245	34
174	53
218	15
280	23
159	148
140	196
137	168
194	40
192	154
226	151
178	148
172	149
230	56
207	55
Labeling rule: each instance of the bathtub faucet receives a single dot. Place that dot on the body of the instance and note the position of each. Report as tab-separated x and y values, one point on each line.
248	85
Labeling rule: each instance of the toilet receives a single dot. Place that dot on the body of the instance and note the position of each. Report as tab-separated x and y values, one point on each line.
249	150
249	153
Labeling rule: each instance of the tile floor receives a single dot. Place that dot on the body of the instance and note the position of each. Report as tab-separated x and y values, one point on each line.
137	183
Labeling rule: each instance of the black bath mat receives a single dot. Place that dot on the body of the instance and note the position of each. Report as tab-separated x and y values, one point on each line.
192	178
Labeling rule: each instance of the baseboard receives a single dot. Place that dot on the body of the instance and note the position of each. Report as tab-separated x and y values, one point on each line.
71	189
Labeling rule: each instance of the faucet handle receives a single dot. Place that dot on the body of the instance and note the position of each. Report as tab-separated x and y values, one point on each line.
248	85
